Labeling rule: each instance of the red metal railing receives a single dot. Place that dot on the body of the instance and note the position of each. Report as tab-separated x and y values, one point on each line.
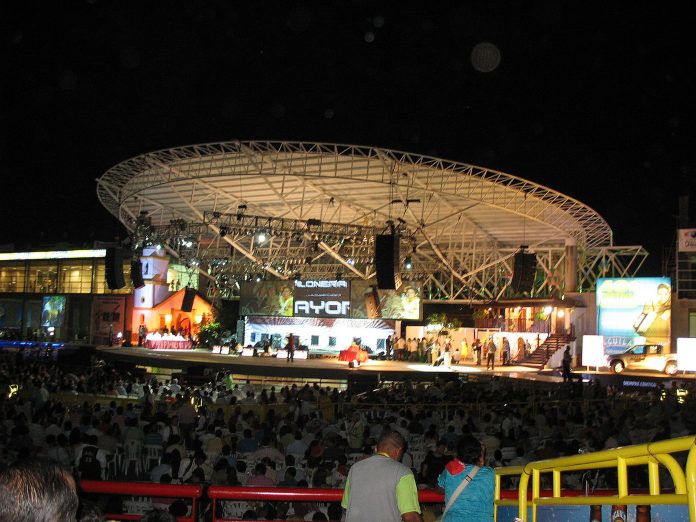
145	489
215	493
251	494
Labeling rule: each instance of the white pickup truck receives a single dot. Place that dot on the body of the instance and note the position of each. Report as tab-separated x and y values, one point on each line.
644	357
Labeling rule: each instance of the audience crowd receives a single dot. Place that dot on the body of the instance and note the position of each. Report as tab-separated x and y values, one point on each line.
100	423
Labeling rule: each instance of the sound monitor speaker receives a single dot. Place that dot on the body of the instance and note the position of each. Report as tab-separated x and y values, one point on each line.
187	303
386	261
523	272
137	274
113	268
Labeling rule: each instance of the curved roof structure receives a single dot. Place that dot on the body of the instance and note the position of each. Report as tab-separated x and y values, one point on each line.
322	205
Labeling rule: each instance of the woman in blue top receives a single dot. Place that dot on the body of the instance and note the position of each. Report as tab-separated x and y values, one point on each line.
475	502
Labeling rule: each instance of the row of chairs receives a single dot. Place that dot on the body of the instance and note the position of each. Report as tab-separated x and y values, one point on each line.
133	453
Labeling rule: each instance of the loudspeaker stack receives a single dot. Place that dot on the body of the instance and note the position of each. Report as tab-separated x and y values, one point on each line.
387	261
523	272
113	268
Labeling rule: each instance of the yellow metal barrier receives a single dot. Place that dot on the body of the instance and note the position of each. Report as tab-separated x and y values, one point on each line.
652	455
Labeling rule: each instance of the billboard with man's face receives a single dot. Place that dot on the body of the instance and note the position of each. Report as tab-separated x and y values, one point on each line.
634	311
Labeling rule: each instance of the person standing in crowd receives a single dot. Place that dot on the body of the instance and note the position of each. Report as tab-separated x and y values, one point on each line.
434	352
290	348
412	349
463	351
142	334
447	354
490	354
380	487
506	352
400	348
37	490
476	346
469	485
421	349
567	359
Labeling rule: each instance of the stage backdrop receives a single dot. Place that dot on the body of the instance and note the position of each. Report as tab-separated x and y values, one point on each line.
633	311
332	299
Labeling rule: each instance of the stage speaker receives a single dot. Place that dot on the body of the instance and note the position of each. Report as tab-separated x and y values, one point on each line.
523	273
387	261
187	303
113	267
137	274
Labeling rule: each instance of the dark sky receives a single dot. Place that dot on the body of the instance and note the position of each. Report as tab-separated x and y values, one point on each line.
595	102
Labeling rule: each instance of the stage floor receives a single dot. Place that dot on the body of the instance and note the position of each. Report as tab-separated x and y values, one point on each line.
324	367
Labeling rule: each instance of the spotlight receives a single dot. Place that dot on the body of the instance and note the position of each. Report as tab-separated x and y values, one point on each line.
350	261
259	277
223	231
408	263
261	236
308	260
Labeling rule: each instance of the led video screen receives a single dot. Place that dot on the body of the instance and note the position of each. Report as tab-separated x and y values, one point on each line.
270	298
52	311
370	302
322	299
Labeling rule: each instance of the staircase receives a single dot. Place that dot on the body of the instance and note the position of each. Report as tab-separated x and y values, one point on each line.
539	357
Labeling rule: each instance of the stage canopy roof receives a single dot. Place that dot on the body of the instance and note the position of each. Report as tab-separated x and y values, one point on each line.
321	206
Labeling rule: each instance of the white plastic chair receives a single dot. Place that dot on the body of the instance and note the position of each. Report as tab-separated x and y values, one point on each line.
151	452
132	452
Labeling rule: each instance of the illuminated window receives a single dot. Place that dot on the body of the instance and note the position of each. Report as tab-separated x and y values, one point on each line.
12	277
43	278
76	277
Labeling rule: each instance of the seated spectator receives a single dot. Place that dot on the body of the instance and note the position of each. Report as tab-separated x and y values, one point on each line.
220	472
197	463
297	447
92	460
37	490
259	477
163	468
289	478
268	451
248	444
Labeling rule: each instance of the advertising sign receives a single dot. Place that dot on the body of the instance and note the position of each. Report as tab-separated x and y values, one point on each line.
322	298
687	240
634	310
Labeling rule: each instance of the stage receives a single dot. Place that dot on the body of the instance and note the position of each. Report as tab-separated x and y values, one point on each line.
323	367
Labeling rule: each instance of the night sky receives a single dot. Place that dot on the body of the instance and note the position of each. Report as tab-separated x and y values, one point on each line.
595	102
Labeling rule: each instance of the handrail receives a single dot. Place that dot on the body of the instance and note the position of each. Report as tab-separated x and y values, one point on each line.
145	489
652	454
272	494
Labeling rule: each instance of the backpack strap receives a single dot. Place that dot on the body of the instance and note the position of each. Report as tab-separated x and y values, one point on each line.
462	486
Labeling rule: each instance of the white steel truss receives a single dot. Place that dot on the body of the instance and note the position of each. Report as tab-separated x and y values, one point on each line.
460	224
